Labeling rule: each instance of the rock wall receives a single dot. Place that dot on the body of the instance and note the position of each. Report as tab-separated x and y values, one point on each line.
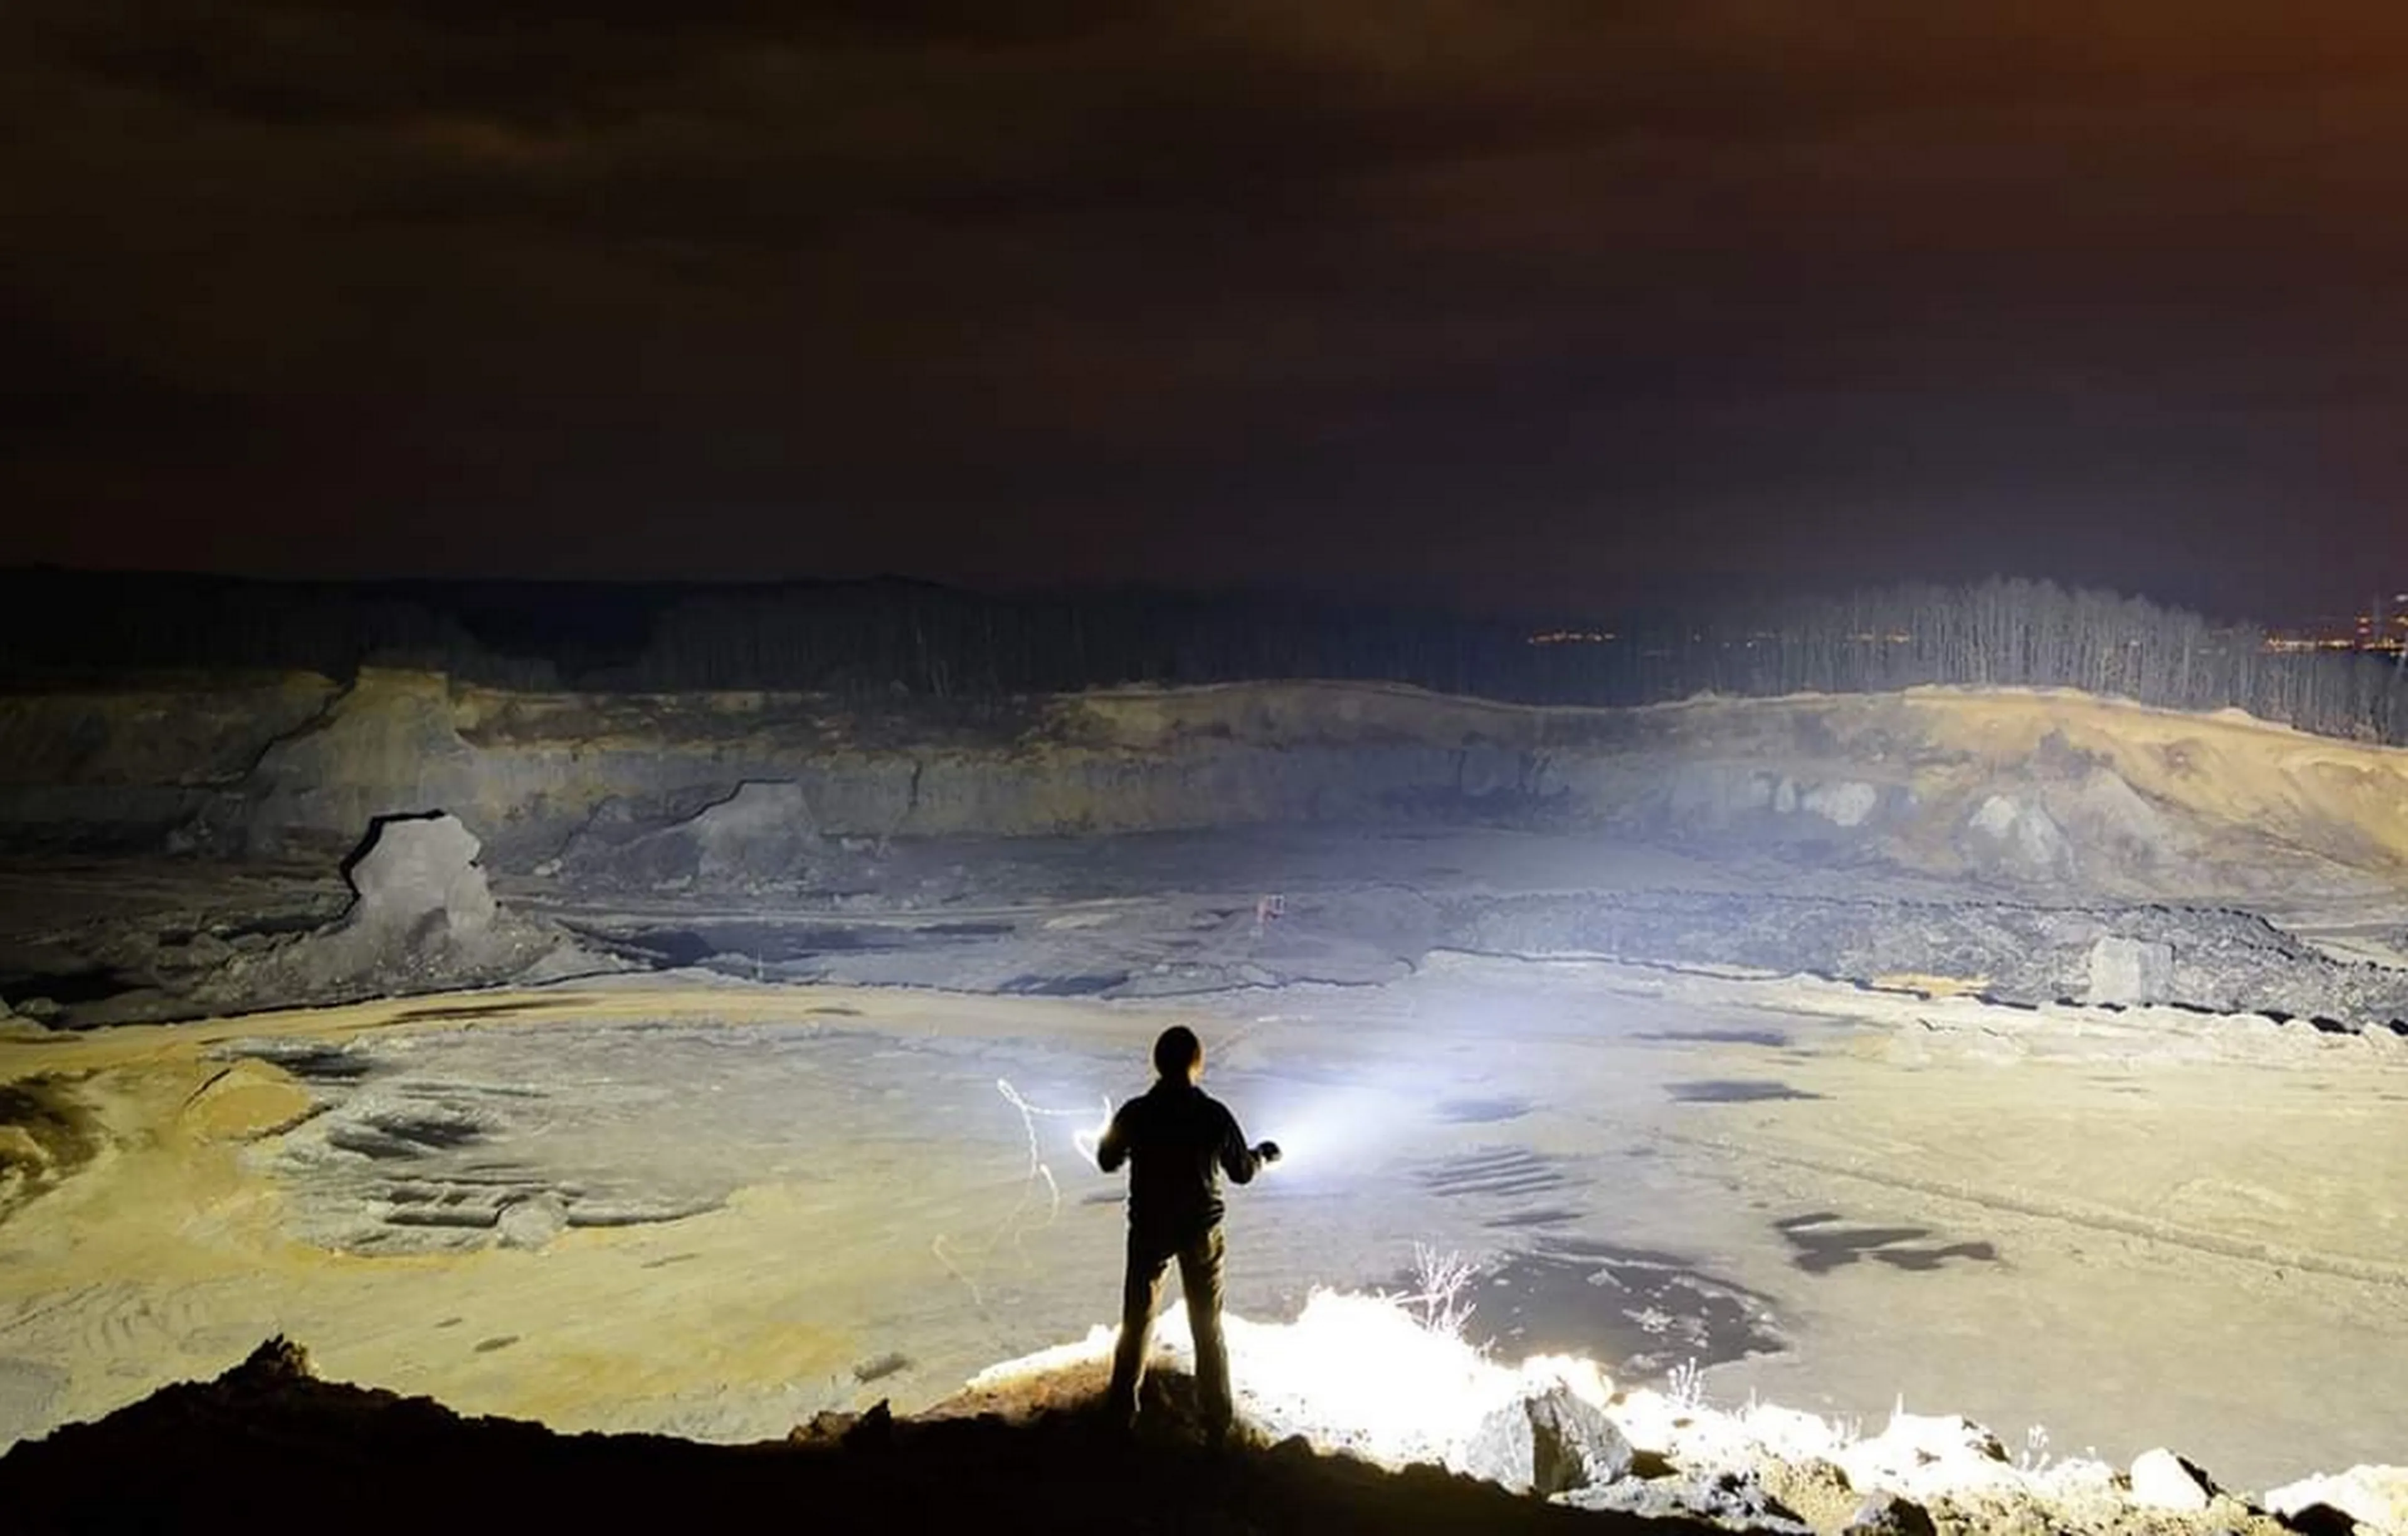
2025	790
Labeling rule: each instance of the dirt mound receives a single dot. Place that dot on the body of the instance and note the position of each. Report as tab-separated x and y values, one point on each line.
243	1101
266	1438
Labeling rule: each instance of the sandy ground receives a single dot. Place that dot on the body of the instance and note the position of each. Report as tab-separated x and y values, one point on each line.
2130	1228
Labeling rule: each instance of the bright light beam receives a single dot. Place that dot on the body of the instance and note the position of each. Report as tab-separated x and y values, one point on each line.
1040	1171
1332	1127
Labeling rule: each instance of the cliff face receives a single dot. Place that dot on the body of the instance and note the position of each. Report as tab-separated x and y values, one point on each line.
2020	788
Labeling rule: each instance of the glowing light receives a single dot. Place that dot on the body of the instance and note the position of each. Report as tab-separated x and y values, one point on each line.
1333	1128
1351	1374
1084	1141
1360	1374
1040	1172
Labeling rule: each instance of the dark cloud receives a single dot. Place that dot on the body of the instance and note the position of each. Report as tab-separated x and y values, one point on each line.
1469	297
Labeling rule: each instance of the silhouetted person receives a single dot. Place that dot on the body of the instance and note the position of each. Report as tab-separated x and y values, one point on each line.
1178	1141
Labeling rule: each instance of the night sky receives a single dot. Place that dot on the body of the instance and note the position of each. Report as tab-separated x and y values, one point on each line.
1468	299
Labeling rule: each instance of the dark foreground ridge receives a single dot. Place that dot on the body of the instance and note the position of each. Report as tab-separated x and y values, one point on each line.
267	1441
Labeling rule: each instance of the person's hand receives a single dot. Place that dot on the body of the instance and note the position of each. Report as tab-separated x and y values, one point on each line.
1269	1152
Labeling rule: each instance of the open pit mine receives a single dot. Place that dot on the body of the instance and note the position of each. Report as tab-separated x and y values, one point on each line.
1942	1109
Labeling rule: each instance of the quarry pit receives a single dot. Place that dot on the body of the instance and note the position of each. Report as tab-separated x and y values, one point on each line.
701	1065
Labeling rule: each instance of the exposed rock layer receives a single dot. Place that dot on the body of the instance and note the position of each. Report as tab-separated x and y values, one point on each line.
2020	788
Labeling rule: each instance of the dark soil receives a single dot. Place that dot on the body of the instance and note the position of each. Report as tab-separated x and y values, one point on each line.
267	1446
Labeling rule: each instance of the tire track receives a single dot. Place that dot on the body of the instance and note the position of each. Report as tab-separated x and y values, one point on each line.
2074	1213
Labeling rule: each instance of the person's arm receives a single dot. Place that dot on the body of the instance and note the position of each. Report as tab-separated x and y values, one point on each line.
1239	1161
1112	1150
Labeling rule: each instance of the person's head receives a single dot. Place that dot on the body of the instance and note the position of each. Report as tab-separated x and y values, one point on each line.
1178	1054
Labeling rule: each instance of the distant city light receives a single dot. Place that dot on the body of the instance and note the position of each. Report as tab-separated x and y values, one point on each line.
2384	633
2381	632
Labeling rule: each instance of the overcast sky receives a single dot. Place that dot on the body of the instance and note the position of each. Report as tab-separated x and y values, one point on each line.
1481	300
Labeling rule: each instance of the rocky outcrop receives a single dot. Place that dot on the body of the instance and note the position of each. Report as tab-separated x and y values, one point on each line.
2009	834
764	835
2375	1498
1886	1514
423	919
419	870
1729	1498
2026	788
1547	1442
2162	1480
138	768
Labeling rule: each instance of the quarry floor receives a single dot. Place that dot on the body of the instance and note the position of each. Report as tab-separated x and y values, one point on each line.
701	1203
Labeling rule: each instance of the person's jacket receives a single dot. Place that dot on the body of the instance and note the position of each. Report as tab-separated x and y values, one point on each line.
1178	1141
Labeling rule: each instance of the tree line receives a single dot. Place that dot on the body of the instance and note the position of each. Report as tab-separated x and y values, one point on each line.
891	639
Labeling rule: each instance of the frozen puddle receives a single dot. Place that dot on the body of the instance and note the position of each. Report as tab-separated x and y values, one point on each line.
1639	1313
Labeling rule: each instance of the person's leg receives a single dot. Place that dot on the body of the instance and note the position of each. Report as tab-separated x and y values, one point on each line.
1140	1288
1199	1278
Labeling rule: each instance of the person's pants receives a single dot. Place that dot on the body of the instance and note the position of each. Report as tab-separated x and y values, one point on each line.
1199	1278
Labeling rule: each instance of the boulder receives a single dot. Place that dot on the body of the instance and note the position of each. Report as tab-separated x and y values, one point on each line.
1885	1513
2123	972
531	1221
2020	838
1845	805
1548	1443
1816	1491
2374	1497
2322	1520
1730	1498
413	869
2162	1480
763	831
